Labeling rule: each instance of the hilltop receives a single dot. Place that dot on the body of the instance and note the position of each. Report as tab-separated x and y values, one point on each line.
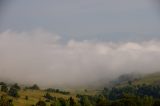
137	79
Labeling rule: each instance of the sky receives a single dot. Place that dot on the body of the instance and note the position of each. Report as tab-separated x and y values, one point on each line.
102	20
77	42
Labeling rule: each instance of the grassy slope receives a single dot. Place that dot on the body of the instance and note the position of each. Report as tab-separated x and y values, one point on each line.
36	95
150	79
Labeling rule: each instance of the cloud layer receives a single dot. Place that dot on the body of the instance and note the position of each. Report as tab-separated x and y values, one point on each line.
40	57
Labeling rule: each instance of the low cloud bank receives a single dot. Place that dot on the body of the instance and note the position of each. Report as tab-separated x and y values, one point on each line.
39	57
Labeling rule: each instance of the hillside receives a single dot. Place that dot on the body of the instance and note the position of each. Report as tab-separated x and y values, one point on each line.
35	95
30	96
148	79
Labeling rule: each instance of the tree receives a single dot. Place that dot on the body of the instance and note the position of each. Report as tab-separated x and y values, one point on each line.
56	103
72	102
156	103
26	97
2	83
4	88
102	102
13	92
48	96
105	92
147	101
62	101
85	101
35	87
40	103
128	102
16	86
4	101
129	82
117	103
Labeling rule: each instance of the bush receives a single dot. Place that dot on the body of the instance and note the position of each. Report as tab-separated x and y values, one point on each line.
2	83
72	102
4	101
156	103
13	92
48	96
35	87
26	97
16	86
57	91
40	103
4	88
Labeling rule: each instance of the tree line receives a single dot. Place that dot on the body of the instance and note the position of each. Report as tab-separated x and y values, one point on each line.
130	95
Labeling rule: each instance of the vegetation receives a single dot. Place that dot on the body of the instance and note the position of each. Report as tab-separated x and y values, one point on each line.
129	94
57	91
16	86
40	103
13	92
33	87
48	96
4	88
5	101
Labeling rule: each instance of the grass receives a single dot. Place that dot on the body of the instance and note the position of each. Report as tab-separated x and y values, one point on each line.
149	79
35	95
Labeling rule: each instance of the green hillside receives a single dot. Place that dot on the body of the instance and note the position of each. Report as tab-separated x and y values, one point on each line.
148	79
35	95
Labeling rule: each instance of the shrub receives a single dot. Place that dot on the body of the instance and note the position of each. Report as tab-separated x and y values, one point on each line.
40	103
35	87
4	88
4	101
13	92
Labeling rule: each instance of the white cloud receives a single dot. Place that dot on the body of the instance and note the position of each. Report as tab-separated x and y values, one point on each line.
39	57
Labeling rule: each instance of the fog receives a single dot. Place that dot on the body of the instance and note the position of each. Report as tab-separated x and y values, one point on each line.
40	57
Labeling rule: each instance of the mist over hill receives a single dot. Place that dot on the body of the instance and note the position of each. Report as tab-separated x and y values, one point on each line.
40	57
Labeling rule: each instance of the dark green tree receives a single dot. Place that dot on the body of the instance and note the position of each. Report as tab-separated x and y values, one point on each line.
16	86
156	103
4	88
102	102
4	101
48	96
2	83
56	103
72	102
62	102
35	87
13	92
26	97
40	103
85	101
